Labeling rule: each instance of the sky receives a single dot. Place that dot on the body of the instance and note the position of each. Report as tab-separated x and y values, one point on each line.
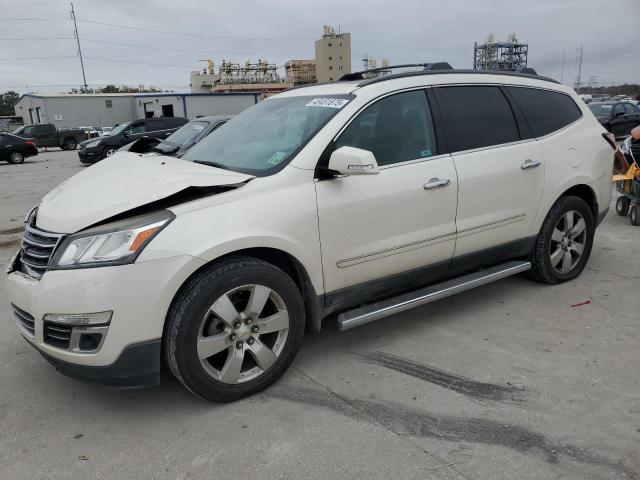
159	42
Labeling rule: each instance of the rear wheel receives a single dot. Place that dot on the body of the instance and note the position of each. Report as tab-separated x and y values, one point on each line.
16	157
69	144
234	329
634	215
564	243
622	206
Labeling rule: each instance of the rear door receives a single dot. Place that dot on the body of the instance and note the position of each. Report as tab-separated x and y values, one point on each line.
47	135
375	227
500	171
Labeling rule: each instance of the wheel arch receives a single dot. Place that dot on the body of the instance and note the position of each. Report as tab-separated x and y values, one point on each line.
285	262
586	193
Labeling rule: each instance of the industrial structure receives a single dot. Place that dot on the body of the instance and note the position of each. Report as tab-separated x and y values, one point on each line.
231	77
108	109
494	55
333	55
300	72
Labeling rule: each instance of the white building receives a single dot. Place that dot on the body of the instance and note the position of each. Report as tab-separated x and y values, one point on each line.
107	109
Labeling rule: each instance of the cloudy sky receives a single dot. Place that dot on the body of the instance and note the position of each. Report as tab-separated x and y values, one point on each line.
158	42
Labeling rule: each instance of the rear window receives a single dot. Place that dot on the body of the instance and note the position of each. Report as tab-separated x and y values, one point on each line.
545	111
476	117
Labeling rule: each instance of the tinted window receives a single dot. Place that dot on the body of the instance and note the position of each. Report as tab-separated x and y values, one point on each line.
153	125
545	111
628	108
138	128
619	108
476	117
396	129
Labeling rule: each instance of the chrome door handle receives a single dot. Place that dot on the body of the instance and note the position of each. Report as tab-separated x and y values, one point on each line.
436	183
528	163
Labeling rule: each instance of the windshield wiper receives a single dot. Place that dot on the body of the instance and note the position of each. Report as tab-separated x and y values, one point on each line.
212	164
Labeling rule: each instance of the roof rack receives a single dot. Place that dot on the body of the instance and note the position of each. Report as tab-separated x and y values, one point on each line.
426	67
523	73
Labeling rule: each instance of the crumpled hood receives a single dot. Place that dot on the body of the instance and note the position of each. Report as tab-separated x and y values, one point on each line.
120	183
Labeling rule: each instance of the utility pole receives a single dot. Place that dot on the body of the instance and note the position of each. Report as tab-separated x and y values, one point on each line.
75	33
579	77
562	71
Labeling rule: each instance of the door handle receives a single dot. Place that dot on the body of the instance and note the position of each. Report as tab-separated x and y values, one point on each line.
528	163
436	183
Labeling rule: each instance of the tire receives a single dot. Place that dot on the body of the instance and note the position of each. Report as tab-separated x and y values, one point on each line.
110	151
622	206
16	157
69	144
634	215
237	360
560	254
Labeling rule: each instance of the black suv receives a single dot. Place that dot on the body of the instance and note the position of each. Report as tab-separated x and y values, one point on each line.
96	149
617	117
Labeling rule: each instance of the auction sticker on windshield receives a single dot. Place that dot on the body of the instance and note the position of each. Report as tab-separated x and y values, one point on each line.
328	102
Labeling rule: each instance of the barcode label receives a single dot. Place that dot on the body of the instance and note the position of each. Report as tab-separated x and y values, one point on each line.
328	102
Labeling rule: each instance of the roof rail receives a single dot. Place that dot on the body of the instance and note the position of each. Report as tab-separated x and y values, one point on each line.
523	74
427	67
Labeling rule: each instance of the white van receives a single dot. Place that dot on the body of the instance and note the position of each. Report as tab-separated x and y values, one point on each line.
362	196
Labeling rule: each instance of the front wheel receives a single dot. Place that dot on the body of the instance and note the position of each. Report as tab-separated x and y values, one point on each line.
564	243
110	151
234	329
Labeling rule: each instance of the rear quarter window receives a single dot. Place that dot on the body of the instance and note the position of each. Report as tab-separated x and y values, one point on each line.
476	117
545	111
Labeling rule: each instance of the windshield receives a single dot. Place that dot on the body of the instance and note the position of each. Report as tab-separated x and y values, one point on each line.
119	128
266	136
19	130
601	109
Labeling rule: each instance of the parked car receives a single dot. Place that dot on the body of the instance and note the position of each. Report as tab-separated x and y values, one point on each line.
363	197
10	123
617	117
96	149
90	131
104	131
179	141
47	135
14	149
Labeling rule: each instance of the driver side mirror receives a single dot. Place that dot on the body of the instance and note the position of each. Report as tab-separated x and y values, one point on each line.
618	114
353	161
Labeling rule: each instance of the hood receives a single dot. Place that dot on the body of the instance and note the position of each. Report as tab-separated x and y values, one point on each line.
121	183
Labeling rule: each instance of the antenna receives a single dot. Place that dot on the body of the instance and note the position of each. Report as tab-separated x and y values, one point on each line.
75	33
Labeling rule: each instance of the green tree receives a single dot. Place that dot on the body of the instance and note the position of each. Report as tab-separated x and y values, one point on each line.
7	101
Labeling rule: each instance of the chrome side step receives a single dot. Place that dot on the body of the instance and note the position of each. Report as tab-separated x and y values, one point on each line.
375	311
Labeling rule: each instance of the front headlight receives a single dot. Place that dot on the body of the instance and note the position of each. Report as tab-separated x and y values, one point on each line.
626	146
117	243
95	143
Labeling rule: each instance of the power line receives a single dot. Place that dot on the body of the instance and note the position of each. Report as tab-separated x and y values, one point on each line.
166	32
34	58
38	39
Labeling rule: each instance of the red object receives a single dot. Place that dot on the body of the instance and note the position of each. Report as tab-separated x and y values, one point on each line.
581	304
30	142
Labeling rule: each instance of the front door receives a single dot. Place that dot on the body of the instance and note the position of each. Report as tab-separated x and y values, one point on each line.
375	227
500	175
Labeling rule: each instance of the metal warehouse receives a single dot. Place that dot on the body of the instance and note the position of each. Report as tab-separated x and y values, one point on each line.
107	109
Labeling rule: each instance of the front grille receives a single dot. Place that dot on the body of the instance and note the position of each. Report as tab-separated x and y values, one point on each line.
24	322
37	249
57	335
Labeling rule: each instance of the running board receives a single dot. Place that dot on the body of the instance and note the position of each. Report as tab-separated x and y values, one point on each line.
375	311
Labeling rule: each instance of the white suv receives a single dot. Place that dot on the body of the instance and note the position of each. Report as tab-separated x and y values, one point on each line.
363	197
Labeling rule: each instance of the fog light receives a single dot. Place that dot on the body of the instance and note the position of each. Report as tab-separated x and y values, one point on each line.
79	319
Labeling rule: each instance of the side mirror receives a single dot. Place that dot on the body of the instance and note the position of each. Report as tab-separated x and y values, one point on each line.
353	161
126	133
618	114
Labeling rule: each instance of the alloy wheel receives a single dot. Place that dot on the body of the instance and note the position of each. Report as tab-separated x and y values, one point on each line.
16	157
242	334
568	241
110	152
